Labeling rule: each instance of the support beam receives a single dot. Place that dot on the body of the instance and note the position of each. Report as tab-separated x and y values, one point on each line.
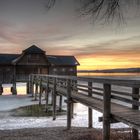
28	88
54	100
60	103
135	97
40	91
1	89
47	95
14	89
106	111
31	85
68	104
72	109
89	109
36	91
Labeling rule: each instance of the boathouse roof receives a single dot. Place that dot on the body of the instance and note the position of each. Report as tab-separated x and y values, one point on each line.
6	59
62	60
33	50
10	59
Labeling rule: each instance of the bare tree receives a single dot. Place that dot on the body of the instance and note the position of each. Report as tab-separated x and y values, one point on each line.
102	9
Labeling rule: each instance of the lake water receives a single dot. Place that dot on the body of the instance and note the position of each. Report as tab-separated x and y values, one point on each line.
108	74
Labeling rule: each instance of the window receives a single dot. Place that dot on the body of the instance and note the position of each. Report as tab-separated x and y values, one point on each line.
54	69
63	69
33	58
71	69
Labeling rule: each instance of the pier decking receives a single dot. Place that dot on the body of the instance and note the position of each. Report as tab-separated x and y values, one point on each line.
120	104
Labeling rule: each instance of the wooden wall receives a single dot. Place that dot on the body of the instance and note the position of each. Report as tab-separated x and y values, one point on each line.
63	70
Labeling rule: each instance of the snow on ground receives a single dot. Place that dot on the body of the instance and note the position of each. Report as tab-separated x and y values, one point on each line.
11	102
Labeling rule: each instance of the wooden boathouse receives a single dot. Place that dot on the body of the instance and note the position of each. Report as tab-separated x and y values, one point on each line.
33	60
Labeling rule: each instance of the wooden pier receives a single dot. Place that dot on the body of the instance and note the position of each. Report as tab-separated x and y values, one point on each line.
117	99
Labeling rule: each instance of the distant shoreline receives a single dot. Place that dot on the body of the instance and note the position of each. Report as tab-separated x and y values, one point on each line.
121	70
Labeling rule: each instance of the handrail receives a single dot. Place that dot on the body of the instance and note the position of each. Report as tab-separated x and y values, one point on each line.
108	80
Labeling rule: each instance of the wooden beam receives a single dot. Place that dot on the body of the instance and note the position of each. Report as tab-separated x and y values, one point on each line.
135	132
14	89
90	109
106	111
60	103
36	91
40	91
100	119
1	89
47	95
54	100
68	104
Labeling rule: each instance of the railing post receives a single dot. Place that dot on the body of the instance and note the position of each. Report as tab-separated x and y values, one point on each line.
89	109
135	97
68	104
40	91
31	85
106	111
54	99
47	94
36	89
60	103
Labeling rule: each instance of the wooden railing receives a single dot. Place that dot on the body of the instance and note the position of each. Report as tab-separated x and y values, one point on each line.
111	96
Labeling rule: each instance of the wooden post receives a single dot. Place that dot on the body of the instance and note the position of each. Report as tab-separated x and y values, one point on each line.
135	97
72	109
68	104
27	88
36	91
1	89
47	95
40	91
54	99
31	85
89	109
106	111
60	103
14	89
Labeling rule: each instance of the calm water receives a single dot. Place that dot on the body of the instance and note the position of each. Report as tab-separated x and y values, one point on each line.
108	74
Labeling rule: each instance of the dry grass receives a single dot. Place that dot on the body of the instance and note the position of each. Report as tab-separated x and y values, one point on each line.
60	133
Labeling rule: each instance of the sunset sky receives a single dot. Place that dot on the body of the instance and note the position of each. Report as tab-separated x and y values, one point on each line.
62	31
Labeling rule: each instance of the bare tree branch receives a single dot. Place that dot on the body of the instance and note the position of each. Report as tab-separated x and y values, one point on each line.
102	9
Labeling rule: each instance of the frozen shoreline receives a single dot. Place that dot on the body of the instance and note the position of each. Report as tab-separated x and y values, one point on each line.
11	102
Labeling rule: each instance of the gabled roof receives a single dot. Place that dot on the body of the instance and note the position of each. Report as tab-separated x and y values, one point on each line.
33	50
6	59
12	59
62	60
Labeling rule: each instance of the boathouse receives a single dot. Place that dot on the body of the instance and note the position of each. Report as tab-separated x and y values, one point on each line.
33	60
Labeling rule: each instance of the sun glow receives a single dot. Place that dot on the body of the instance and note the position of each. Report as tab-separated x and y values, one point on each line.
98	63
